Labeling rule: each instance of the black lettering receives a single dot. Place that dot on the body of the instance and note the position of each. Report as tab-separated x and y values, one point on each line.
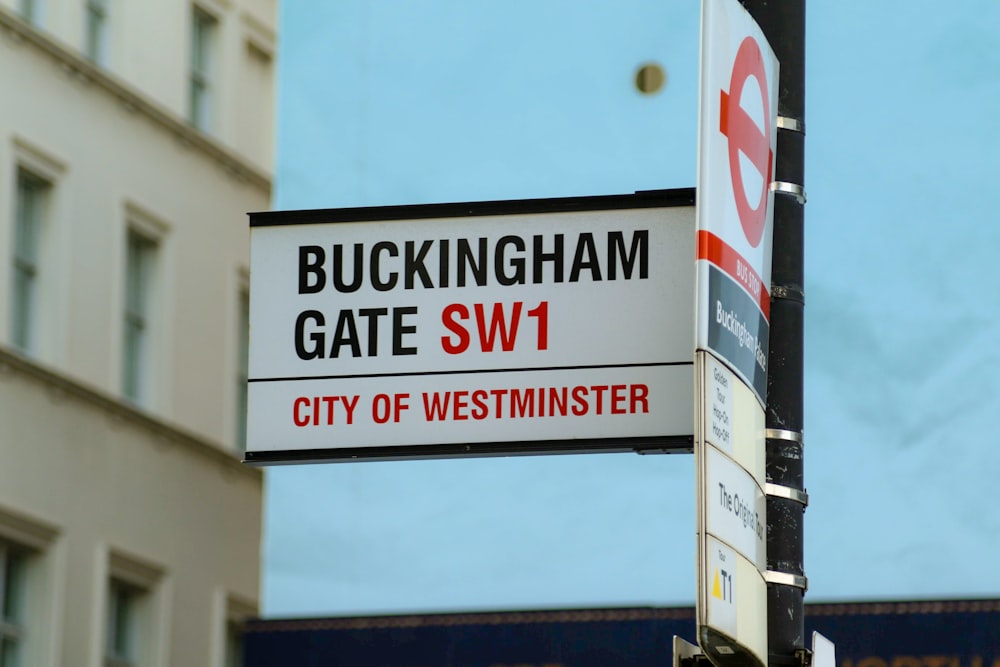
338	270
443	263
346	334
466	260
399	330
311	260
373	314
516	263
638	251
585	245
539	257
315	337
413	264
376	278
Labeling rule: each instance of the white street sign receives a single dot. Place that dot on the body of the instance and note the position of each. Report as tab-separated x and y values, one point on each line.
470	329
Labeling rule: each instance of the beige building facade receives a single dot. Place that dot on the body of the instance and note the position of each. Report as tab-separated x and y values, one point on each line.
134	137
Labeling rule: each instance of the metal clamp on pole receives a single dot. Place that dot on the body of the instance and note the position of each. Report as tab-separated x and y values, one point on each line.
780	490
786	492
786	579
791	189
781	434
792	293
791	124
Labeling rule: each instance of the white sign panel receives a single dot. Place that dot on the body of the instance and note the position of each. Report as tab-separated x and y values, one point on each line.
734	597
732	521
734	420
721	587
824	651
476	328
736	511
737	138
719	387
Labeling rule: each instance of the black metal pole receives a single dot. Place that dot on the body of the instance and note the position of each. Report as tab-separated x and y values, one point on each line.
783	24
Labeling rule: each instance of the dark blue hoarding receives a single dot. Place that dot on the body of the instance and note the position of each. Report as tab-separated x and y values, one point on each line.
889	634
582	638
962	633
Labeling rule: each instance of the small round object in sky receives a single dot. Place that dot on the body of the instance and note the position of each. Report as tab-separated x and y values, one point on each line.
650	78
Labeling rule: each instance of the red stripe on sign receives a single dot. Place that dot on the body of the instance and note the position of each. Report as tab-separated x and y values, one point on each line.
718	252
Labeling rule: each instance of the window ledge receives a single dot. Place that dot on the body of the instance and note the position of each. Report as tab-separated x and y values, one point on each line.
228	459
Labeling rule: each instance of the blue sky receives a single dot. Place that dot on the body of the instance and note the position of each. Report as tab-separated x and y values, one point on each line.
403	101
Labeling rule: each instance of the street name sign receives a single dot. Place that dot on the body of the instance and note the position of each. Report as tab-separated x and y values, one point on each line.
534	326
736	144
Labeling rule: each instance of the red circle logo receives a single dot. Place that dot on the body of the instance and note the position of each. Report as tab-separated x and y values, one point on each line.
745	137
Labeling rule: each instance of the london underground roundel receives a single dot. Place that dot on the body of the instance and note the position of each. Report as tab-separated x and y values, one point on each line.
745	137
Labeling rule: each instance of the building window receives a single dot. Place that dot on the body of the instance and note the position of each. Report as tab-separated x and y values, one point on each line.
33	195
256	118
124	601
13	568
243	368
28	591
140	255
133	612
203	29
96	20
